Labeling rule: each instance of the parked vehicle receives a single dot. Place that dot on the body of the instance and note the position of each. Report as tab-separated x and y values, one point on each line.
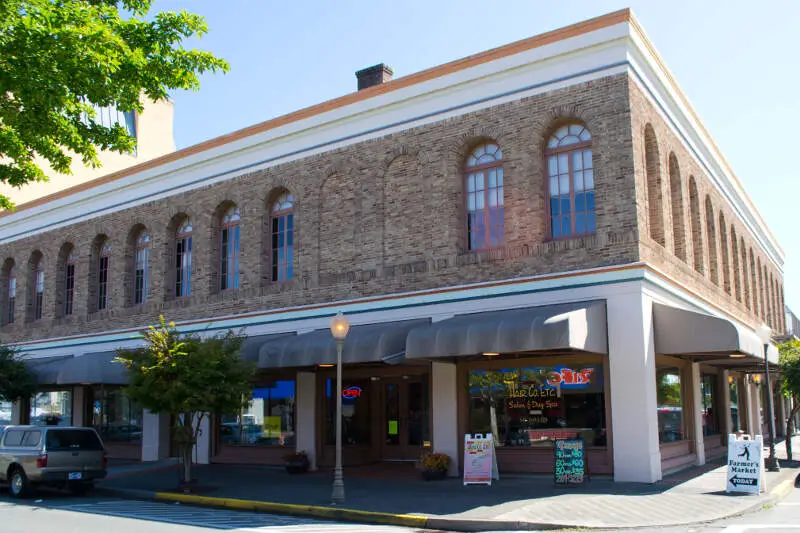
63	457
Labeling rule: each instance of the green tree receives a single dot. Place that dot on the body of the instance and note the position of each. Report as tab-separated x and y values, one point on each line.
790	384
16	379
189	378
60	58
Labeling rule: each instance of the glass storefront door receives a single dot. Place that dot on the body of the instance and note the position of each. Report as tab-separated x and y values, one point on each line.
404	417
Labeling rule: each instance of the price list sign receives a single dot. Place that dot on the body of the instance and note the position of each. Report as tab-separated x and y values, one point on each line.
568	461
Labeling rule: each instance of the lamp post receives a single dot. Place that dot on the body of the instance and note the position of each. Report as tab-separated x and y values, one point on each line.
771	462
339	328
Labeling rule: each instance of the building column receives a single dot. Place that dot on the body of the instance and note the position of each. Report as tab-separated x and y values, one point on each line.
696	401
755	410
155	436
16	412
78	407
727	423
306	416
444	407
632	379
202	448
746	405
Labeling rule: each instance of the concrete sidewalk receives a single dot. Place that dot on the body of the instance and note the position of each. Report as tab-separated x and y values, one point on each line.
514	502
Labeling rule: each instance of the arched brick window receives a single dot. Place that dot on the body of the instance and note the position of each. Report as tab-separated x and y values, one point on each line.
745	275
762	301
737	272
141	268
676	192
36	284
570	173
9	291
697	226
484	192
712	242
724	250
655	207
754	285
183	258
229	249
103	260
69	282
281	216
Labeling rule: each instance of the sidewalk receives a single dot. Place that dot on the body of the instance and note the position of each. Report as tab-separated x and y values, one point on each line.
515	502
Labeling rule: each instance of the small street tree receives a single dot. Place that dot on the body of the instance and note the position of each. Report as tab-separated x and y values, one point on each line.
189	378
790	384
16	379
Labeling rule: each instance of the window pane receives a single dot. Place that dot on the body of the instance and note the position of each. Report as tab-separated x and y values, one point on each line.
500	200
563	163
563	184
357	422
492	178
590	201
471	201
52	408
669	397
591	226
580	202
587	159
588	179
479	201
555	223
554	186
554	206
565	207
577	161
479	181
580	223
577	180
500	177
268	420
566	226
116	417
552	166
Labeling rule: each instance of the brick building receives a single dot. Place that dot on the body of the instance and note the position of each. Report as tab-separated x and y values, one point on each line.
539	241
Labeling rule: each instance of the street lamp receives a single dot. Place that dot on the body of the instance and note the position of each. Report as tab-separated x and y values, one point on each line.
339	328
771	462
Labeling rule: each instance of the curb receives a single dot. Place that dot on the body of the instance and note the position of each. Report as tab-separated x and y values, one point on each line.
780	491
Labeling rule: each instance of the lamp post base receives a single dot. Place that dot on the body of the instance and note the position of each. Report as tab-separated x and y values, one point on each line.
337	498
771	464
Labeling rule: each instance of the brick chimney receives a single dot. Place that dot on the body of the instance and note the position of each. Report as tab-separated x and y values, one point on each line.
375	75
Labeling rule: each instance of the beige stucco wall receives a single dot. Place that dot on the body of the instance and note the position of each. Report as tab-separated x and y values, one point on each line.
155	138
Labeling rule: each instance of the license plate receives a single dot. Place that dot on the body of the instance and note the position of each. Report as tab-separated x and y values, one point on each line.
74	475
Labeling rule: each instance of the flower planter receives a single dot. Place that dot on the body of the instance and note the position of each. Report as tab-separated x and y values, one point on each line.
297	464
432	475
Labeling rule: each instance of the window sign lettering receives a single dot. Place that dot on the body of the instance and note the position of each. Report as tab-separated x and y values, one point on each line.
351	393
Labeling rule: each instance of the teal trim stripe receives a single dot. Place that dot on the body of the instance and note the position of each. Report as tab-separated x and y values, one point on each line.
323	314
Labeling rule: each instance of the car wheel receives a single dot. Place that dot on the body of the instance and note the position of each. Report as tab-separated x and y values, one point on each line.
80	489
18	483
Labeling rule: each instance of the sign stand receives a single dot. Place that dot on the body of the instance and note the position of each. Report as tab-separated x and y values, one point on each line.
745	464
480	460
569	462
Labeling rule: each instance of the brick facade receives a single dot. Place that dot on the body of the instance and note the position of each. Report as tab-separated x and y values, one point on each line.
387	216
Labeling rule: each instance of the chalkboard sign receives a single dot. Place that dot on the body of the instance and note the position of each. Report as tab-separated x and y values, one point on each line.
569	461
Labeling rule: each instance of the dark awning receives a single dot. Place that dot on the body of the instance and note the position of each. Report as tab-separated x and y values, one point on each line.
574	326
94	368
46	369
371	343
683	332
251	345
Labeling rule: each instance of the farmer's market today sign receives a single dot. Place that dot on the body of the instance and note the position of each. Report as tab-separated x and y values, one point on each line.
745	464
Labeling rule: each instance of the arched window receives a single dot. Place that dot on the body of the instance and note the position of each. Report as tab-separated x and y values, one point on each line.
12	294
762	302
676	192
69	283
103	259
726	262
229	249
654	191
141	273
754	284
282	237
697	226
712	242
183	259
484	188
737	273
745	275
571	181
38	289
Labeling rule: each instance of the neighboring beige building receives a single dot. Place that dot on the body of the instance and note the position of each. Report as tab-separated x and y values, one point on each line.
152	129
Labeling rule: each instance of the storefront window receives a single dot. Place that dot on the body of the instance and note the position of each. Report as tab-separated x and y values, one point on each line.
5	413
267	421
736	424
356	422
52	408
532	406
116	417
670	404
708	394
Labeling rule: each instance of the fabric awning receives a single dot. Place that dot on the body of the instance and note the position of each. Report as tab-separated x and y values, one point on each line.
575	326
94	368
251	345
46	369
371	343
683	332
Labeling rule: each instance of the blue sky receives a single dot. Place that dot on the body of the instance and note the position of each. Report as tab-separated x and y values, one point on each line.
734	60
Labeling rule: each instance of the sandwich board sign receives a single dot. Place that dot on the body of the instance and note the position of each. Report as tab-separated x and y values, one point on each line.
480	461
745	464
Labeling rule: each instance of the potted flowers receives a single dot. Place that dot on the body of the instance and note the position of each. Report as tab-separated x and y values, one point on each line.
434	466
296	462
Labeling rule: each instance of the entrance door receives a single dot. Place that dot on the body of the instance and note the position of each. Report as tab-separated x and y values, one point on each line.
404	424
